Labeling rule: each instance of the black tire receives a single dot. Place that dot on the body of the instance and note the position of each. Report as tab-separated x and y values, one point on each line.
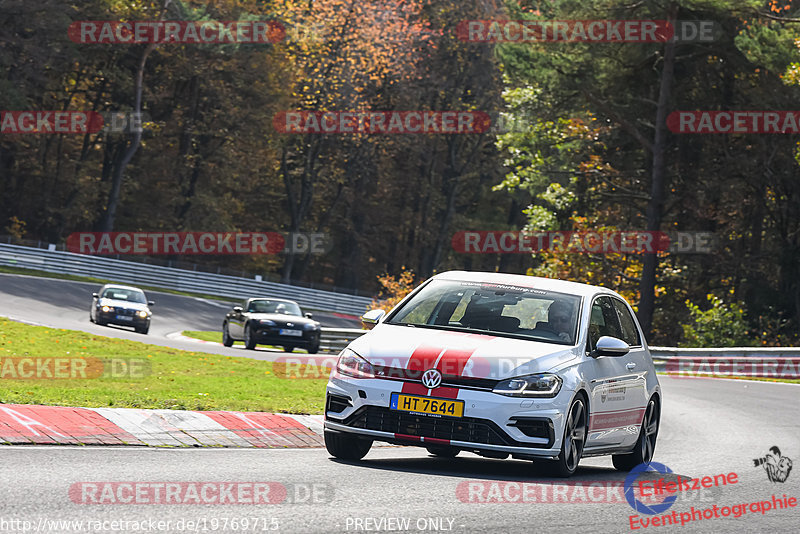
227	340
144	330
443	452
346	446
91	319
288	348
575	430
100	322
249	340
646	444
313	349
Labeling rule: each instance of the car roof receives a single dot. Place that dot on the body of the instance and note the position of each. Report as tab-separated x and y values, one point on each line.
118	286
521	280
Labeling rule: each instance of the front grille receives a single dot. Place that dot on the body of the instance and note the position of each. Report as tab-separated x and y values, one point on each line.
411	375
469	429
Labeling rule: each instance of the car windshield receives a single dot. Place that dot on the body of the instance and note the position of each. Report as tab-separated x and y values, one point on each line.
495	309
131	295
273	306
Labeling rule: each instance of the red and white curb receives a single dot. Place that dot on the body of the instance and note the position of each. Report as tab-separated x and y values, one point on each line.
31	424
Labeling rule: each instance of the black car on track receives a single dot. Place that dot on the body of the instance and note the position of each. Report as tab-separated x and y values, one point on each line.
270	321
121	305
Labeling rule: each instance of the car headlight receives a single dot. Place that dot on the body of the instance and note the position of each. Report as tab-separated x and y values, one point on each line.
143	314
107	309
540	385
351	364
311	326
266	322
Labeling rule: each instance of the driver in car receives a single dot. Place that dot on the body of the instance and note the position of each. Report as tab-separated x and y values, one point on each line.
559	320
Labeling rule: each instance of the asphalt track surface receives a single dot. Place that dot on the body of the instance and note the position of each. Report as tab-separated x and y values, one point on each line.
709	427
65	304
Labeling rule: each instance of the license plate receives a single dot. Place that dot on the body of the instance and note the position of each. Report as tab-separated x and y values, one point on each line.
426	405
296	333
124	317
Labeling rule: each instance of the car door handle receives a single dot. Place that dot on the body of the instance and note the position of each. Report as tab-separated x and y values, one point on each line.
630	366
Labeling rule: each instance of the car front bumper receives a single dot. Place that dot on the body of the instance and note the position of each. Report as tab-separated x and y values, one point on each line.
272	336
112	318
491	423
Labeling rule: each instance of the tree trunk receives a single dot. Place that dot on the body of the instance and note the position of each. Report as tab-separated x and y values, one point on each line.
655	206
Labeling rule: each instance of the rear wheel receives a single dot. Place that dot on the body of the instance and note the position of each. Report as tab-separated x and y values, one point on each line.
249	338
646	444
443	452
227	340
346	446
574	439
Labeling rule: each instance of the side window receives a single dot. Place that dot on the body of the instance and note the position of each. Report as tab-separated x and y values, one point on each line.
603	321
630	334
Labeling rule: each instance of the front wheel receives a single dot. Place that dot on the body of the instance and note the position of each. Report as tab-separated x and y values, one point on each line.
249	338
346	446
574	439
288	348
646	444
313	349
227	340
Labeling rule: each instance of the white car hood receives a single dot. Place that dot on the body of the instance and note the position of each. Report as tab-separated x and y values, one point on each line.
460	354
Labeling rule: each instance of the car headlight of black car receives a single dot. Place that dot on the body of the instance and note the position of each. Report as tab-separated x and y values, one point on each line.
107	309
311	326
538	385
143	314
266	322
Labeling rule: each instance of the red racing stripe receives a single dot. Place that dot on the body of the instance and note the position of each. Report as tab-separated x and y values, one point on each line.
423	358
436	441
453	361
414	388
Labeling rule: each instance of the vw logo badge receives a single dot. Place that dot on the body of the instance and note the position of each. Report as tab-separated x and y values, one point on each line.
431	378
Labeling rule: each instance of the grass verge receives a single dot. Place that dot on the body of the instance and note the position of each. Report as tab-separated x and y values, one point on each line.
172	378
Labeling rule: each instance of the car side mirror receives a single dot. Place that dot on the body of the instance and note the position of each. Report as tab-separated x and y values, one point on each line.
308	315
610	346
95	295
371	318
237	309
151	303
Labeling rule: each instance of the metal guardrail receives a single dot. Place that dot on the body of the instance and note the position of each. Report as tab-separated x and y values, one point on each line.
335	339
127	272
